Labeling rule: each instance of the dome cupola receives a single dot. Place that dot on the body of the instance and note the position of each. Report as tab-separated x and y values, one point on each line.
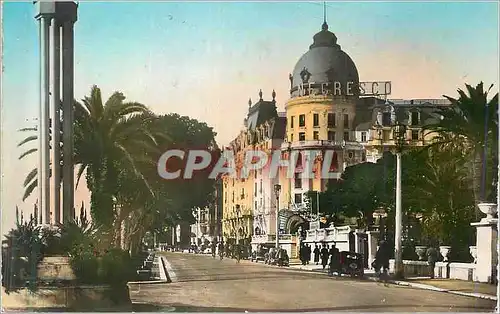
325	66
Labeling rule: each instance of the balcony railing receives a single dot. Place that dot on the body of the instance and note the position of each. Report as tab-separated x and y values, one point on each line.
314	143
271	238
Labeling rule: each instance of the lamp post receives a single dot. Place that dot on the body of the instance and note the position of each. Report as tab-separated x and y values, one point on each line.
400	139
277	189
237	223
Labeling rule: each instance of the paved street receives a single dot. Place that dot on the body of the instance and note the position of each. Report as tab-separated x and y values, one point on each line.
201	283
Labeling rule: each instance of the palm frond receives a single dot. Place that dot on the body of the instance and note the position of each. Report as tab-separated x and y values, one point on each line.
30	138
28	152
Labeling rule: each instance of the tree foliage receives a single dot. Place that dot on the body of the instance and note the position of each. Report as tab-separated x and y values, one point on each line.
117	144
472	121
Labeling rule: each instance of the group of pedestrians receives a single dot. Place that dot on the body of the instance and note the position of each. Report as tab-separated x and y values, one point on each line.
329	255
305	253
222	249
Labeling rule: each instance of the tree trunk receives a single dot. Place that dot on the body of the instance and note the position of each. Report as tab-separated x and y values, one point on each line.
476	170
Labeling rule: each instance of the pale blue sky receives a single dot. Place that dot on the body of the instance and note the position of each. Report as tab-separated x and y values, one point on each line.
206	59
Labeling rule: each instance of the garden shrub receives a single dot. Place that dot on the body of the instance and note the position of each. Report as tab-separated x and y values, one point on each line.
85	264
116	267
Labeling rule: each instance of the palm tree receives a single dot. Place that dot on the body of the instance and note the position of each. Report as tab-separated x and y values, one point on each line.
108	138
471	122
444	195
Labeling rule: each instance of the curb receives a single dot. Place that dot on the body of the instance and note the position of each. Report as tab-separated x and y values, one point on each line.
432	288
416	286
147	282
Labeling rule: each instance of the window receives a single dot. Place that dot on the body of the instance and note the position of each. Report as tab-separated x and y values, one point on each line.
331	136
414	135
225	197
242	194
298	198
386	119
346	121
346	136
291	137
302	136
386	135
316	119
233	196
292	118
316	135
363	136
298	183
363	157
302	120
260	190
414	118
331	120
255	190
255	204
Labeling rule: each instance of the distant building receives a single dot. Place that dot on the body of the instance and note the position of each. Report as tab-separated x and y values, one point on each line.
248	202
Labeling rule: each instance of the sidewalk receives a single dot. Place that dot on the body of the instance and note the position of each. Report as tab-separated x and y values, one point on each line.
459	287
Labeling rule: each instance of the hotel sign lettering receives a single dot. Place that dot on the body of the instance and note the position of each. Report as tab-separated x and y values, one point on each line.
347	89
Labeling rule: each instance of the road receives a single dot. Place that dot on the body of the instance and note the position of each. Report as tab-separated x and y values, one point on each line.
201	283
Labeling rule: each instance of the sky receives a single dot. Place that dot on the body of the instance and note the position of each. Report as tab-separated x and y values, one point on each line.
206	59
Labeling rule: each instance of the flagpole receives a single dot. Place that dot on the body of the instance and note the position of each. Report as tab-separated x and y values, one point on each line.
317	204
498	207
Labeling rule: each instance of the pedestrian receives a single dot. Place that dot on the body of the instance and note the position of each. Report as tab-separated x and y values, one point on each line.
432	257
324	256
302	254
281	257
237	252
213	248
316	254
382	257
308	253
334	254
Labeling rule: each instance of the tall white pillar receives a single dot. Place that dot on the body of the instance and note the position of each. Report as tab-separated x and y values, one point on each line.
487	259
373	237
43	178
68	98
55	118
398	253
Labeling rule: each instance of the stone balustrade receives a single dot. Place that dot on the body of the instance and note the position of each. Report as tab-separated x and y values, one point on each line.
445	270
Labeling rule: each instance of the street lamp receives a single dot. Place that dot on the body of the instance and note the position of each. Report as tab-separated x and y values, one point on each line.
400	140
277	189
237	229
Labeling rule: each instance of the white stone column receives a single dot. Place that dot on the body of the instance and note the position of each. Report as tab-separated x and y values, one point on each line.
373	237
68	99
486	242
43	123
55	118
358	242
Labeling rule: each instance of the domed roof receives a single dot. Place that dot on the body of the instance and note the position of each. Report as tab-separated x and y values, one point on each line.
325	62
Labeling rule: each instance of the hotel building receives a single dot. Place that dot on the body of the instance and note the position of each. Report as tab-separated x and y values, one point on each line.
329	109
